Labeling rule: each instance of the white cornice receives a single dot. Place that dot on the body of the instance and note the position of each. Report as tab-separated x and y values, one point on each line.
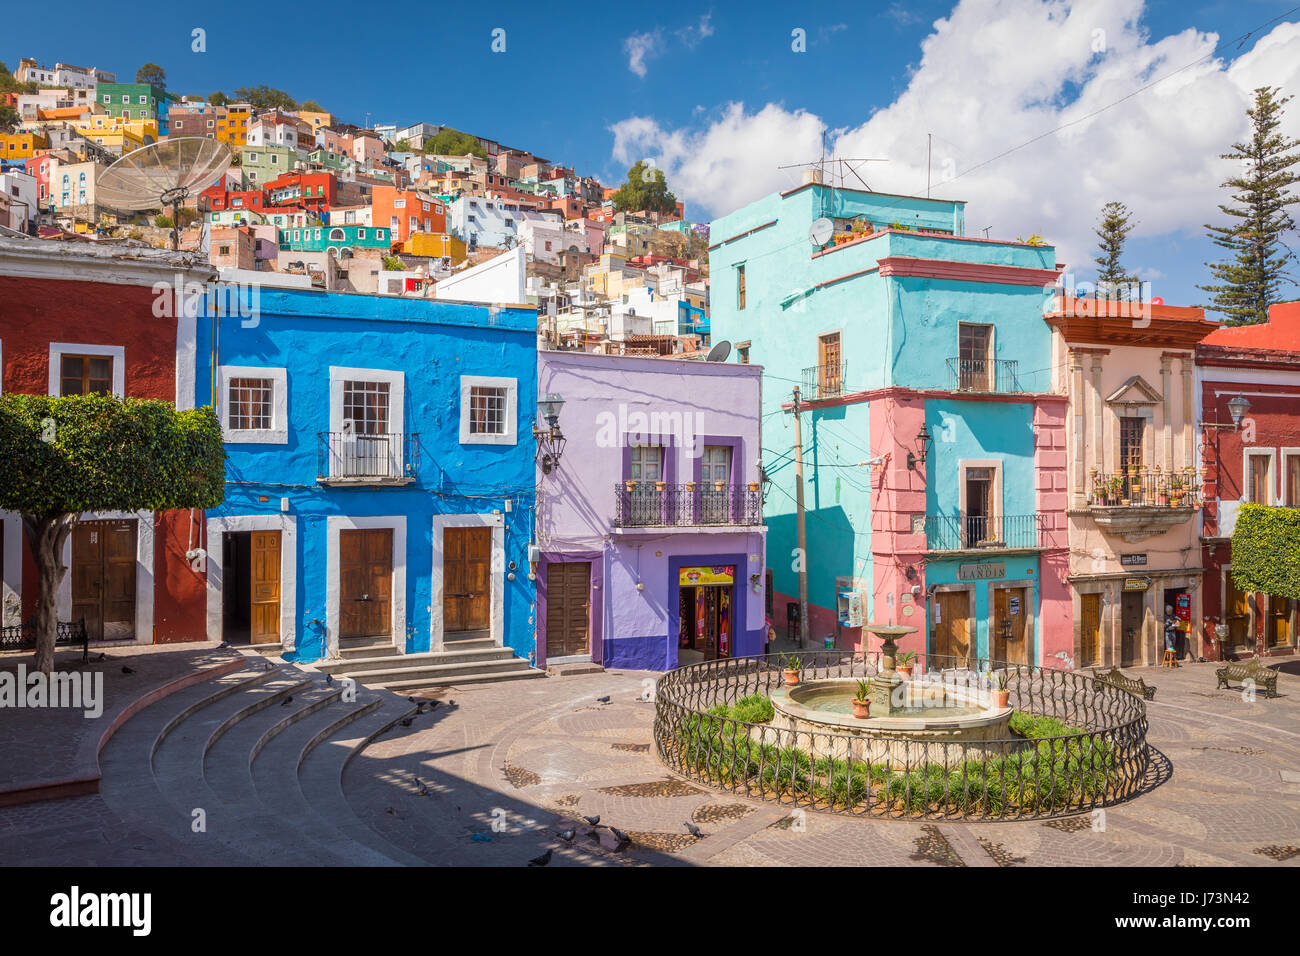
114	264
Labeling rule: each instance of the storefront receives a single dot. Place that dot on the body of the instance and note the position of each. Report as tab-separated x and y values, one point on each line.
1120	618
984	608
705	612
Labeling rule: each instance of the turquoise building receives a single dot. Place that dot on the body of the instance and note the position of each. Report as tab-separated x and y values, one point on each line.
933	446
334	238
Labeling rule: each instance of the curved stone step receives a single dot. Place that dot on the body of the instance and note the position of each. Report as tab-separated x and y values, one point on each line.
434	674
320	776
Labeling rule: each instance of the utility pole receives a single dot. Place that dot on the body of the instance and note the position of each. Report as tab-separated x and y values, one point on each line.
802	529
929	140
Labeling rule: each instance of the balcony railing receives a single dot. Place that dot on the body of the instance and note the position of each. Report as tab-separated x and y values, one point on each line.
648	504
1145	488
346	458
968	532
983	375
824	381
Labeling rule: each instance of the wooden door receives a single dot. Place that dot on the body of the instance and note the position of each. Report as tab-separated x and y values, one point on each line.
1279	631
568	607
1236	614
467	562
1132	618
1089	629
951	627
264	613
366	582
1009	605
103	578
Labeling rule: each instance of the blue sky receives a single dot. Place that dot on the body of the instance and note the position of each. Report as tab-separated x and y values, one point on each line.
568	79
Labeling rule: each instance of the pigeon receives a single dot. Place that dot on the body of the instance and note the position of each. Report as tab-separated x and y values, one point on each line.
287	701
127	670
329	678
622	838
603	700
594	821
424	791
541	860
269	666
224	644
693	830
100	658
568	835
406	721
432	704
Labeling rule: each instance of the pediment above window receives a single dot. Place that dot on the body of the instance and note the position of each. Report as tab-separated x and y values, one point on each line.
1135	391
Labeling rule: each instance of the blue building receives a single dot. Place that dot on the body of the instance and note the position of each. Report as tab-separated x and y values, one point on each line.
380	476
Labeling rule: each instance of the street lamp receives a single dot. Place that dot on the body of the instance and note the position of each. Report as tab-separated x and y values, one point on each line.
1237	408
550	440
924	440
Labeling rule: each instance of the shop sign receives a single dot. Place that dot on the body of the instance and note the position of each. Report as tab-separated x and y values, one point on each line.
1132	560
981	572
1137	584
719	574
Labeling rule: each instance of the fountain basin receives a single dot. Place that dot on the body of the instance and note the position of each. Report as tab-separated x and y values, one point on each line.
932	722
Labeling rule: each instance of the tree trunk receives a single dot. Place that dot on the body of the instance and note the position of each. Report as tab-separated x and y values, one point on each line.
46	535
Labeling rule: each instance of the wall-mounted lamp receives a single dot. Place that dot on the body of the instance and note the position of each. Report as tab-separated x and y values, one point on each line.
924	441
550	440
1237	408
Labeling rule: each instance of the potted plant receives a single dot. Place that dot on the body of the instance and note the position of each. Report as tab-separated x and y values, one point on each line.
904	663
660	485
719	485
792	667
862	700
690	487
753	486
630	485
1001	695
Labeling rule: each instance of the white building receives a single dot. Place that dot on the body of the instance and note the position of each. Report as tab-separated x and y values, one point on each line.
501	280
273	129
21	190
490	222
63	74
544	239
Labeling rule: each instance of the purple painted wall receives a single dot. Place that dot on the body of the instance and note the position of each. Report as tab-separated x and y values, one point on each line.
610	401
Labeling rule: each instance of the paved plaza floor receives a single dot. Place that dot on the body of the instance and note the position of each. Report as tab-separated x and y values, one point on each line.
496	772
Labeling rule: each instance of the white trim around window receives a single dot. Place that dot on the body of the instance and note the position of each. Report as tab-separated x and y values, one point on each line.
511	434
1246	456
278	433
397	612
995	493
116	352
287	525
1283	477
396	394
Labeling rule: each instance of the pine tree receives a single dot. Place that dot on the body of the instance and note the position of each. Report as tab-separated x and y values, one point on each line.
1114	225
1251	279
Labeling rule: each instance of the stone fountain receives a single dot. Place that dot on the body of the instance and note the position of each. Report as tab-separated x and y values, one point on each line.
885	695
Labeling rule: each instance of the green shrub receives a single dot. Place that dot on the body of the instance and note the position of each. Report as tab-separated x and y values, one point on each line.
754	709
1266	551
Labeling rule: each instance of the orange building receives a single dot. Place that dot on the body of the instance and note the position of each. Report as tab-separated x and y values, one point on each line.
406	211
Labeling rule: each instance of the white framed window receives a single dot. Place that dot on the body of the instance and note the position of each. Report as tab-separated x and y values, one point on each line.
253	404
488	410
97	368
980	501
1290	478
367	421
1257	481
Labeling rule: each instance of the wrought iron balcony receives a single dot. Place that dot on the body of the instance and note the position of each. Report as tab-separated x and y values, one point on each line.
824	381
346	458
980	532
1146	488
651	504
983	375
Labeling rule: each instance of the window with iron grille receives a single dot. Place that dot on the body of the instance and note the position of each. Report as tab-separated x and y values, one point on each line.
250	403
366	405
487	410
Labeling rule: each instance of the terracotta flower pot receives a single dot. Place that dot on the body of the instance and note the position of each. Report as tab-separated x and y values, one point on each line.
753	486
630	485
905	672
791	678
861	708
1001	698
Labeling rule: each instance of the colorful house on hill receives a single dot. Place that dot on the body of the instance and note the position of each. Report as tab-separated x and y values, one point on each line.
380	490
919	366
649	512
135	101
1134	489
1249	378
334	239
81	319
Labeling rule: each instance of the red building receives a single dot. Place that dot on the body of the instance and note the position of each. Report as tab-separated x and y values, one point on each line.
313	191
81	318
219	199
1258	461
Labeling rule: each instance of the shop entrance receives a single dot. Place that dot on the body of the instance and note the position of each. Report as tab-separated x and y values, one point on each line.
705	613
1236	614
250	587
1181	603
1131	617
951	612
1089	629
1010	625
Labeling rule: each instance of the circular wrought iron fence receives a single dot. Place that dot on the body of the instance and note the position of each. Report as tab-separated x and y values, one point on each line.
1079	743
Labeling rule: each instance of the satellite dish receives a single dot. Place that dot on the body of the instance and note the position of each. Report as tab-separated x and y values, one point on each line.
719	352
820	232
163	174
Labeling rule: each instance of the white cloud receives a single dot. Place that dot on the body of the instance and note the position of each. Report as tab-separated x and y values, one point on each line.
639	47
1035	69
691	36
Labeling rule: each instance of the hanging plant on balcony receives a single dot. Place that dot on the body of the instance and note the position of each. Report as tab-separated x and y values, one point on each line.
690	487
630	485
753	486
660	486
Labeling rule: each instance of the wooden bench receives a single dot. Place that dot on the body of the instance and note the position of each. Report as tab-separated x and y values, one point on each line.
1253	670
22	637
1134	685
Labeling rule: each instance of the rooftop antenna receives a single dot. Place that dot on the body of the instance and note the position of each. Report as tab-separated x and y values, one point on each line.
163	174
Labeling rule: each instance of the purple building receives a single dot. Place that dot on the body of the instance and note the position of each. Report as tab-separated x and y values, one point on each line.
650	524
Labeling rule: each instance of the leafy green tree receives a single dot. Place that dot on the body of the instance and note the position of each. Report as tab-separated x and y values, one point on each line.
402	146
311	106
452	142
646	189
152	73
218	98
1252	276
66	456
1113	228
10	83
9	118
265	97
